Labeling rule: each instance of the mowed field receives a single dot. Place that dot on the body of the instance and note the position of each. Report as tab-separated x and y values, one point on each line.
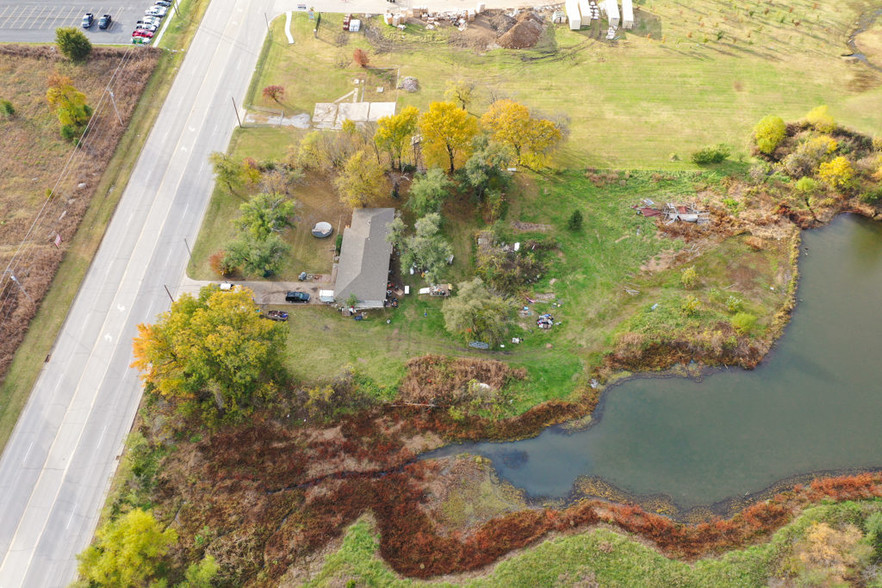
689	75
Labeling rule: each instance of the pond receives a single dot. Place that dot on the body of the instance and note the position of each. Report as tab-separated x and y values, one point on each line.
813	405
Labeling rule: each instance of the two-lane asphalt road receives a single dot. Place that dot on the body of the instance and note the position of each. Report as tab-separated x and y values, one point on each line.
64	450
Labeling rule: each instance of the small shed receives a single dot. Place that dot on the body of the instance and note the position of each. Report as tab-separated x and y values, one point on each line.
627	14
573	15
322	230
612	12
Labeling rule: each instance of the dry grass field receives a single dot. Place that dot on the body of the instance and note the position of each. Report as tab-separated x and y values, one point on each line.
34	160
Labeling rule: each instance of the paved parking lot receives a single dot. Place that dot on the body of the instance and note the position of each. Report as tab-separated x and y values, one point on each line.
36	21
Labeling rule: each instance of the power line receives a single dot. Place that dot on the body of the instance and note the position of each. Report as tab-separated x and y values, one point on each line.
22	260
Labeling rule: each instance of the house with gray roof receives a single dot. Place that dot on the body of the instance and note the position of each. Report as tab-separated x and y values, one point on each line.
363	268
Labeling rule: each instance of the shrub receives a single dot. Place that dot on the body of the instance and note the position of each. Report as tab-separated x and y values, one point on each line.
734	303
690	306
689	277
744	322
872	196
808	155
221	263
768	133
806	185
71	133
820	119
574	223
72	43
7	108
838	173
361	58
716	154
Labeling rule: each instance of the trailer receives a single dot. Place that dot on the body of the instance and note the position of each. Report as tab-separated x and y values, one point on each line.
612	12
573	15
627	14
585	12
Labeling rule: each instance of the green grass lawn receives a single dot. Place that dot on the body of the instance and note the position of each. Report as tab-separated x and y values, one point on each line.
630	104
687	76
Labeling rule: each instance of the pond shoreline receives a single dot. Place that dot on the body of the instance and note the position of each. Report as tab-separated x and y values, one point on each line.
695	368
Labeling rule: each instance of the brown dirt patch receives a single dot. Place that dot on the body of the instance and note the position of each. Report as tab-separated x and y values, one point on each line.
525	33
32	155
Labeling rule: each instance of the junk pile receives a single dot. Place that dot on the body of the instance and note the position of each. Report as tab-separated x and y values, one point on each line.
672	212
545	321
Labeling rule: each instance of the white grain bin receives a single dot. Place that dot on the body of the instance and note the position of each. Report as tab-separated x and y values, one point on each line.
573	15
612	11
627	14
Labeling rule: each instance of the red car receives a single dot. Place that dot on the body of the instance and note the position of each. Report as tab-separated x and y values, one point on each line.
143	33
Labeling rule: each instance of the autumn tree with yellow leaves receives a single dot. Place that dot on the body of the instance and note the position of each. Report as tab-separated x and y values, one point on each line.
213	353
447	132
394	133
531	139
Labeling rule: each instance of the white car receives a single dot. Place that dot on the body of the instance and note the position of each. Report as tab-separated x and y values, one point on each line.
146	26
151	20
156	11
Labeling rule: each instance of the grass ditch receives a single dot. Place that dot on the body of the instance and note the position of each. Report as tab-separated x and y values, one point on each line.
607	557
45	325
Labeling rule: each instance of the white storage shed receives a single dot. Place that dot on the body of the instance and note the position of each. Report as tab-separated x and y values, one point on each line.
573	15
612	11
627	14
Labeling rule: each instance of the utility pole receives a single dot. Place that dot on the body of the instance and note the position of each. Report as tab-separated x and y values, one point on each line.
113	101
237	111
187	245
20	287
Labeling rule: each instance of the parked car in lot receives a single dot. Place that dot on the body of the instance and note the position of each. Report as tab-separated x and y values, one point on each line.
140	41
297	297
88	19
104	22
276	315
154	20
165	3
156	11
143	33
145	26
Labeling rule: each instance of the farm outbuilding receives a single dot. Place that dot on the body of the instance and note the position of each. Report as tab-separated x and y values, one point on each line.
612	12
573	15
627	14
364	258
